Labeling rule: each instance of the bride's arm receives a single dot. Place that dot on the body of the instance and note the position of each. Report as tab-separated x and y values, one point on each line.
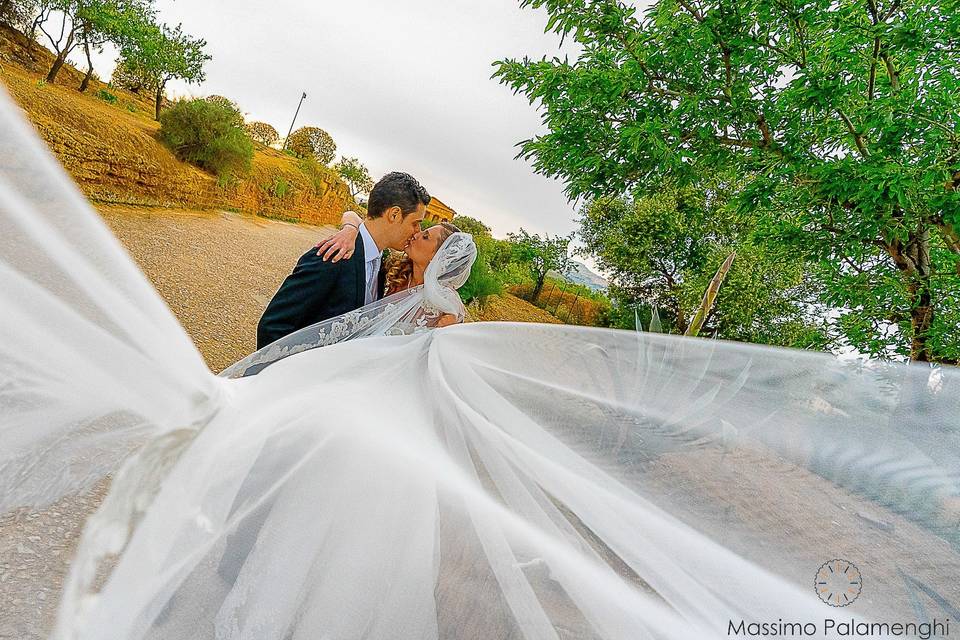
341	244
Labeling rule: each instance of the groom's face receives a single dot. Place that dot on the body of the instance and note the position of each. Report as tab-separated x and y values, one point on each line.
404	227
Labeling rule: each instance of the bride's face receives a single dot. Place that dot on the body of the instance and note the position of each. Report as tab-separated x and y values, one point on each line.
423	246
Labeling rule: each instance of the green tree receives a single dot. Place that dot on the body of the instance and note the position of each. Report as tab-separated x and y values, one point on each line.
159	54
841	120
27	15
90	24
355	175
313	142
472	226
263	133
541	255
111	21
499	254
662	250
127	75
20	13
484	281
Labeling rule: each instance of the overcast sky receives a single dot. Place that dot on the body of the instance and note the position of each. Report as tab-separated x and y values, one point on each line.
401	85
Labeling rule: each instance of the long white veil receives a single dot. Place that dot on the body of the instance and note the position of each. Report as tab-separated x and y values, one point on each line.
488	480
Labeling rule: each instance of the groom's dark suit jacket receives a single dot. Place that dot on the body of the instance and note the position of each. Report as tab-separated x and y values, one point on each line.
316	291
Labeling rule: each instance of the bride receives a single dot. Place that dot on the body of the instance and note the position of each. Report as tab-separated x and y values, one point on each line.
487	480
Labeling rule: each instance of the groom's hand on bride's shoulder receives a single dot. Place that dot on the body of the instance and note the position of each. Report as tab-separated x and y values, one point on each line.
339	246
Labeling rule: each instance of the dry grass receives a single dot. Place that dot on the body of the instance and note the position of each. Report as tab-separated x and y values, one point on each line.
567	306
511	308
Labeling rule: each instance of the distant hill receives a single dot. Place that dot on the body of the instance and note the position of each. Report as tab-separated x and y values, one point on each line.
582	275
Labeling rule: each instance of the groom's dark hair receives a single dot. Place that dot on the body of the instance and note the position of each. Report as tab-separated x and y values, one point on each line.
396	189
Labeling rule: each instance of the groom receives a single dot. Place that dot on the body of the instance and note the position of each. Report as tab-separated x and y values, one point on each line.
318	290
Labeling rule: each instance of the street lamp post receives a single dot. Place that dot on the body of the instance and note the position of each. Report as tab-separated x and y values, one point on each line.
302	98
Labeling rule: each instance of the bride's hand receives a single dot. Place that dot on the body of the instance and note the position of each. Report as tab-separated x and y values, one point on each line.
338	246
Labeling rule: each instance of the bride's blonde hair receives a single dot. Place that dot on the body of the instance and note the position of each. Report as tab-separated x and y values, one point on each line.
400	266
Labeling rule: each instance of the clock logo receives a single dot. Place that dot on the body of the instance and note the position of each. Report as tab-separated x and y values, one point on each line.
838	582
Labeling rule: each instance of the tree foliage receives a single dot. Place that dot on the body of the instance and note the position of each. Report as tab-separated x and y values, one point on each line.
263	133
541	255
472	226
484	280
355	175
89	24
662	249
229	106
840	119
19	13
126	75
312	141
159	53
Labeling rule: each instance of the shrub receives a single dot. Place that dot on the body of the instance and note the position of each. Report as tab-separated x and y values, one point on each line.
314	142
318	174
223	102
263	133
279	187
106	96
127	75
482	282
227	103
206	134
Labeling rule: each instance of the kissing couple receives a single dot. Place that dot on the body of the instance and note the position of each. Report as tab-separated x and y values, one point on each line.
350	286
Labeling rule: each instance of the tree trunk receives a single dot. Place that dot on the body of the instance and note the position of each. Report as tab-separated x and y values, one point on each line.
159	99
32	38
921	296
539	288
57	65
61	59
86	78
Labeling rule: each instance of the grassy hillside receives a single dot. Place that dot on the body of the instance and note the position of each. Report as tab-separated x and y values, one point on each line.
511	308
112	150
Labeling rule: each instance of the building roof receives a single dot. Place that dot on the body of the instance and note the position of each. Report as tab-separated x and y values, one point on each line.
438	211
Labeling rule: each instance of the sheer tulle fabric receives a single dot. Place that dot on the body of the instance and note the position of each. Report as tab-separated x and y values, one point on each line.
488	480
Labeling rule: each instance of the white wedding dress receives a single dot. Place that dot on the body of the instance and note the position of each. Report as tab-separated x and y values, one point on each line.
486	480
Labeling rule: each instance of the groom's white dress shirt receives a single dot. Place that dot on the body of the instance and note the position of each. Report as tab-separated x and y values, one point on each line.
371	254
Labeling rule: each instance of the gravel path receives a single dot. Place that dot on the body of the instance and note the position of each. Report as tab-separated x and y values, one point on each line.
217	271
